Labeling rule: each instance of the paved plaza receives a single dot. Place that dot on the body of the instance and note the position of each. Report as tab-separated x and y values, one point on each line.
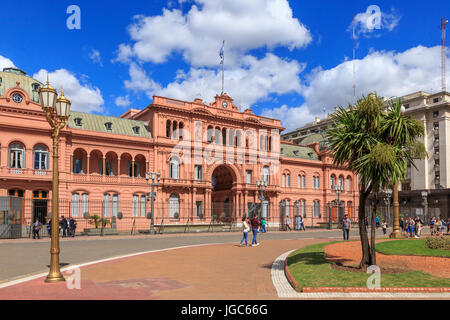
169	267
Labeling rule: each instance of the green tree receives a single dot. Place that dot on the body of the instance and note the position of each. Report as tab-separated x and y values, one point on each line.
375	143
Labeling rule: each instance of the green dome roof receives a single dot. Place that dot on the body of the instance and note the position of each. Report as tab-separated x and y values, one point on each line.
9	78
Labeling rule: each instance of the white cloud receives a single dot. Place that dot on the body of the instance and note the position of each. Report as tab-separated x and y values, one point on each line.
96	58
366	23
123	101
252	81
198	34
389	73
84	97
5	63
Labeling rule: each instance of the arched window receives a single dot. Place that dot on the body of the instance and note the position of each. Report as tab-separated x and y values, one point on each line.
174	206
174	169
288	180
209	134
168	127
332	181
341	182
349	184
217	135
106	204
16	156
143	205
283	180
303	208
224	137
316	209
265	174
174	129
40	154
270	143
181	127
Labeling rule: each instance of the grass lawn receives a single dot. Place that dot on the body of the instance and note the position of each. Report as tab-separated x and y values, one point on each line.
413	247
309	268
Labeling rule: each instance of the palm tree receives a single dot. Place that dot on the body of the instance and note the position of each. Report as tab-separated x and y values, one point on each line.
375	143
403	132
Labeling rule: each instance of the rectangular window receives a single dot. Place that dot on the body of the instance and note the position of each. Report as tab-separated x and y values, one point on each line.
106	205
77	166
248	176
283	180
84	203
109	167
143	205
75	205
303	182
435	114
199	208
198	173
288	181
299	182
265	209
135	205
115	205
348	184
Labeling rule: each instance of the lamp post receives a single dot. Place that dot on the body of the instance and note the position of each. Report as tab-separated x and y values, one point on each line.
425	205
57	111
297	204
153	176
338	189
387	200
330	223
261	185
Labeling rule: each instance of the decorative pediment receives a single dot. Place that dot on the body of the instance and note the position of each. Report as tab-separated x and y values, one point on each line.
202	111
253	120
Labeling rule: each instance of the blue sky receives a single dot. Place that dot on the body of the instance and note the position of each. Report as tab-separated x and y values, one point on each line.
285	59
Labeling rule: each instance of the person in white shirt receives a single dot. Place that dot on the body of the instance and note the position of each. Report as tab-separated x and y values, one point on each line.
245	230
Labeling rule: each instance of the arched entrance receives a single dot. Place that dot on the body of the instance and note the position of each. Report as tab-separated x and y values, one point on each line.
222	205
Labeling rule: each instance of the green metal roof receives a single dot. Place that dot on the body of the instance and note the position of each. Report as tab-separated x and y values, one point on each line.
317	137
9	77
94	122
298	152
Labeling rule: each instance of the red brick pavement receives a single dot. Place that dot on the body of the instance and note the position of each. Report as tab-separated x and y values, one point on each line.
224	271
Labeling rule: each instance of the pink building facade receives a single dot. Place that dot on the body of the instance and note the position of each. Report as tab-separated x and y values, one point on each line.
209	157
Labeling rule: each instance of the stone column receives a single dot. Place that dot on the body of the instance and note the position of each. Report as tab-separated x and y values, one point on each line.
118	167
103	166
132	168
88	160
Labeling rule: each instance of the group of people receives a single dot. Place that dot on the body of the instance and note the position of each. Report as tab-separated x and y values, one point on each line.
255	224
437	226
68	228
298	223
411	228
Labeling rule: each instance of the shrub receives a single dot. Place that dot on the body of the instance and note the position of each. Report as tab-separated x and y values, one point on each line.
438	243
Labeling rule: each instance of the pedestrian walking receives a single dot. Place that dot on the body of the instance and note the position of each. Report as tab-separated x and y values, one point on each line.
442	225
448	226
432	223
255	226
411	227
418	227
263	225
63	223
302	224
288	222
72	227
377	221
49	227
346	223
37	225
384	227
245	230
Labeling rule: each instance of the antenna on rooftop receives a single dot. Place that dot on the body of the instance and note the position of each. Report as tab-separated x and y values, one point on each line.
354	56
442	27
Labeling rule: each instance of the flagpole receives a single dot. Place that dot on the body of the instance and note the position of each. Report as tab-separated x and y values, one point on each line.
223	67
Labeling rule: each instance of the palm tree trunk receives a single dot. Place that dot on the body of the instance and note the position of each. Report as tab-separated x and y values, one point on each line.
365	260
373	258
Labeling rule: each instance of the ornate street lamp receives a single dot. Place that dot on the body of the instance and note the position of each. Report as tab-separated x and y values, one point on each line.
153	176
387	200
330	223
57	112
338	189
262	185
